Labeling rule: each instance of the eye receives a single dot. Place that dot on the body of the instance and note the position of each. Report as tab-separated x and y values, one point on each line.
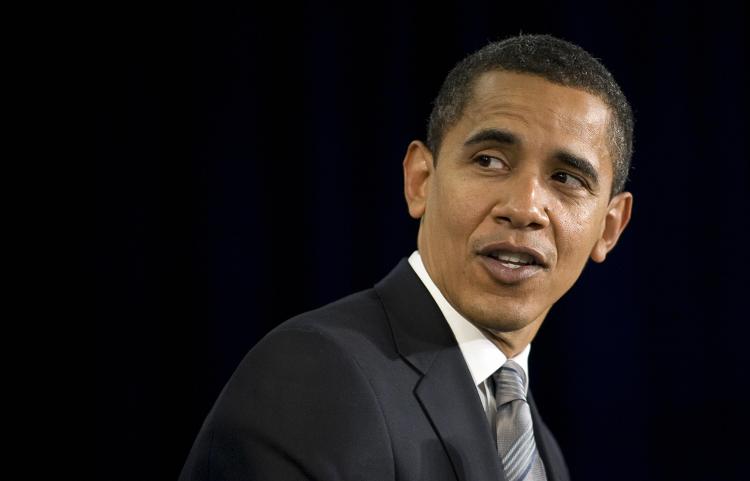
489	162
568	179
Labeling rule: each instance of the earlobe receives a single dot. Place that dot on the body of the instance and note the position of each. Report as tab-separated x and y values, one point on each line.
618	216
418	166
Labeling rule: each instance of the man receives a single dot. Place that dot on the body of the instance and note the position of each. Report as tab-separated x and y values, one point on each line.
424	377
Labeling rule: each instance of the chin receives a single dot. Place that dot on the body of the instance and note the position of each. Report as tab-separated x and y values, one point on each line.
500	319
504	325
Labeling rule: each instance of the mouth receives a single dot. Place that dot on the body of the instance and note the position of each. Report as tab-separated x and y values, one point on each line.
513	260
513	256
510	264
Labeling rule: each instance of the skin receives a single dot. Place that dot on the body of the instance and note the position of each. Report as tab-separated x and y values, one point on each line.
520	192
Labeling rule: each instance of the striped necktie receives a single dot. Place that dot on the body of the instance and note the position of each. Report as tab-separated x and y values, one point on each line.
515	433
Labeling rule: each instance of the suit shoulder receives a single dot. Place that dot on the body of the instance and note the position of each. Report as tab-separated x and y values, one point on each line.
292	407
351	319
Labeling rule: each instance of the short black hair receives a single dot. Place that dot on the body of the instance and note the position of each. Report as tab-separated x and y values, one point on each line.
553	59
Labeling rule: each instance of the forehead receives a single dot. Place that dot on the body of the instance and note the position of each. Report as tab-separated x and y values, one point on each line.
538	111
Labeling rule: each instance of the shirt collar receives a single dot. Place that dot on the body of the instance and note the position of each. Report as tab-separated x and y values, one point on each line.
482	356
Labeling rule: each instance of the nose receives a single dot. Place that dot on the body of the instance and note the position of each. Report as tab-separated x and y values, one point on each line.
522	203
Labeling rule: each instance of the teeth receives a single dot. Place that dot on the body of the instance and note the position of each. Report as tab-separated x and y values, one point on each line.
515	257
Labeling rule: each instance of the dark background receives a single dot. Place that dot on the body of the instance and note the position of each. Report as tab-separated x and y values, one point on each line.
250	169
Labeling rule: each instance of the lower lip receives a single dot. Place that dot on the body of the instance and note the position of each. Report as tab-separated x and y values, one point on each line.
508	275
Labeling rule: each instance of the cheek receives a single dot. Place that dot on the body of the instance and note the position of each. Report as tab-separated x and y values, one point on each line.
458	206
578	232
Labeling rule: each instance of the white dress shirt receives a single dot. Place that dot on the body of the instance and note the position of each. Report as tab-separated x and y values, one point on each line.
482	356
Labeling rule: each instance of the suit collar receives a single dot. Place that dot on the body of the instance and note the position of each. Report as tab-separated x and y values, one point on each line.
446	390
419	328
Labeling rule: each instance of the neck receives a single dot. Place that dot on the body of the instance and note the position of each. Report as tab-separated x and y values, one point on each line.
511	343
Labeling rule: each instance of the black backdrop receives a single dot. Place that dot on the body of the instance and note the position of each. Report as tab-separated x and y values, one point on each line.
250	169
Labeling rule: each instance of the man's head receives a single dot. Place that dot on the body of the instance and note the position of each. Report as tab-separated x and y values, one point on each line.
526	186
548	57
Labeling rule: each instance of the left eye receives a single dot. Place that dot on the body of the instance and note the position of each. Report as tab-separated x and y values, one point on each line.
568	179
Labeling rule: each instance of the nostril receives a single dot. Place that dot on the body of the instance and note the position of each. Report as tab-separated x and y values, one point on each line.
521	215
519	222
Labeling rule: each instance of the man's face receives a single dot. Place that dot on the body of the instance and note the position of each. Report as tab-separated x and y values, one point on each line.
518	201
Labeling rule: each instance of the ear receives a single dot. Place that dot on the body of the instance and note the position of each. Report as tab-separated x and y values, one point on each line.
618	216
418	166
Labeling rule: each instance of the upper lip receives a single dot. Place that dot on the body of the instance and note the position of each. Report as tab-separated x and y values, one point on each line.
539	258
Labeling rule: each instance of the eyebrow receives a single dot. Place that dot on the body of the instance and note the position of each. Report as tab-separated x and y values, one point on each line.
493	135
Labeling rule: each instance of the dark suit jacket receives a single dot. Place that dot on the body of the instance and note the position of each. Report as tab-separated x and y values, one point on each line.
371	387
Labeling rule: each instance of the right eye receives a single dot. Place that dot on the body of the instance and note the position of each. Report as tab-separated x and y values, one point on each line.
489	162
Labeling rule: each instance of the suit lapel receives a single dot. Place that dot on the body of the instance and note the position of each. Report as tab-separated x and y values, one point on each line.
446	390
554	466
449	398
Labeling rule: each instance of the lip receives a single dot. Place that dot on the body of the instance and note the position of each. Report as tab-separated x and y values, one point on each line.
508	275
539	258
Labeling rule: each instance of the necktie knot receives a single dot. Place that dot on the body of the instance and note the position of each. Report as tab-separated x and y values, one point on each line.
510	383
514	426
